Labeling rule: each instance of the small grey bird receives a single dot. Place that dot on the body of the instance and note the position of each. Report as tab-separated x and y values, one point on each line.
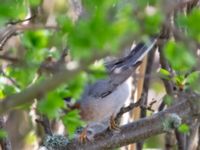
102	100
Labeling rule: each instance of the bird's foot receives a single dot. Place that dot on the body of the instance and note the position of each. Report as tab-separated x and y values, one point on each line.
113	126
83	136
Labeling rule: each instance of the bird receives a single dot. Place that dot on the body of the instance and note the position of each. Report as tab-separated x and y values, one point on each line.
102	100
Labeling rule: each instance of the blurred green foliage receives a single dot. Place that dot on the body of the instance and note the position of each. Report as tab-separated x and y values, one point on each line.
30	138
192	81
191	24
52	105
154	142
72	121
164	73
12	9
179	57
3	133
183	128
105	27
168	100
75	87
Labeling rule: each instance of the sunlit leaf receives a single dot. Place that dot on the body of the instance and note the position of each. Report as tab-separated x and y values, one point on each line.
153	22
164	73
3	133
51	105
179	57
71	121
193	24
183	128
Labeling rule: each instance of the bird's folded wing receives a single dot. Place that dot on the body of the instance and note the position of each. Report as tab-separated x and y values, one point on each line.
120	70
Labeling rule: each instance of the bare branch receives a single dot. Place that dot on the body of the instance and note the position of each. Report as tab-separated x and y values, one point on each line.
10	79
8	58
128	108
13	30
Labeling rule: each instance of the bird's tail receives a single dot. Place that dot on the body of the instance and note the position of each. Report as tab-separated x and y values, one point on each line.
133	59
121	69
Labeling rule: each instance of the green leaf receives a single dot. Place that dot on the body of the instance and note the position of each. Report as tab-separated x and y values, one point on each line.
193	24
65	23
193	79
190	24
34	2
9	89
178	56
179	80
1	94
51	105
36	39
183	128
98	71
76	86
164	73
71	121
23	76
99	32
3	133
13	9
168	100
153	22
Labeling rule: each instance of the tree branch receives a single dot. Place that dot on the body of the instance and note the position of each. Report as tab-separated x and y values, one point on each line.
44	121
37	90
139	130
4	142
146	84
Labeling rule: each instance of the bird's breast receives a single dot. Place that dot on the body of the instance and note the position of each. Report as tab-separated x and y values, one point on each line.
100	109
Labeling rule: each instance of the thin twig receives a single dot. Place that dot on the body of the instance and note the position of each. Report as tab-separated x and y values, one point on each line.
13	30
128	108
20	21
44	121
8	58
10	79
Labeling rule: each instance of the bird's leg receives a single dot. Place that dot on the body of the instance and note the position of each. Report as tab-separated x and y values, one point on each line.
113	125
83	136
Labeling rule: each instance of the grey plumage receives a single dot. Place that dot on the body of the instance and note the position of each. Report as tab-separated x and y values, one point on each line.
119	70
106	97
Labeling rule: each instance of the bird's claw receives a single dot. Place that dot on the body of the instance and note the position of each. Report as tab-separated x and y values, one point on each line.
83	136
113	126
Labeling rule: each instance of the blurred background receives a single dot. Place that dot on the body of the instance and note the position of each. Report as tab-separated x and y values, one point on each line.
41	37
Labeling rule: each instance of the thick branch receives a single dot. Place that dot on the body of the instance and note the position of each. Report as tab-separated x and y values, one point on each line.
138	130
40	89
36	91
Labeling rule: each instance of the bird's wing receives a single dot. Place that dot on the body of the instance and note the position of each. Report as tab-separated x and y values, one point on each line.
120	70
